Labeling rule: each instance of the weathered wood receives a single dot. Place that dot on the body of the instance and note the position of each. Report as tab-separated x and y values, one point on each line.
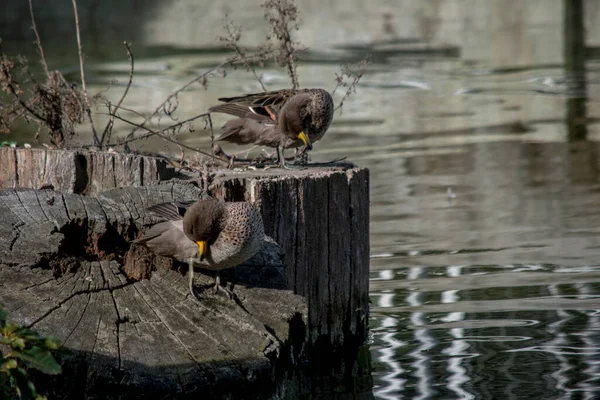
147	337
78	171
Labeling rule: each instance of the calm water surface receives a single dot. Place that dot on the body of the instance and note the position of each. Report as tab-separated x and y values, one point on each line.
485	220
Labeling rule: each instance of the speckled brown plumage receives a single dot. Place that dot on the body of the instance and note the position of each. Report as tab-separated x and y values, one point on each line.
233	231
276	118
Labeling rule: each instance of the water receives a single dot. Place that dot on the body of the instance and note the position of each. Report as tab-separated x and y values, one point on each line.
485	220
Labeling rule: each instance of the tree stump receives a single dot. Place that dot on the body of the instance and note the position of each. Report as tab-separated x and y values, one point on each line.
124	316
320	217
78	171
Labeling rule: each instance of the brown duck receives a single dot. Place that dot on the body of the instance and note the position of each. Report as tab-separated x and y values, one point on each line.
281	119
209	234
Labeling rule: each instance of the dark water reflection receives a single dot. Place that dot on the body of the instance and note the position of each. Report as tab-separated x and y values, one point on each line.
485	220
495	292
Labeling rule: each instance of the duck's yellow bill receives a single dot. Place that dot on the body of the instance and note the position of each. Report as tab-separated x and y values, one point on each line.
202	249
302	136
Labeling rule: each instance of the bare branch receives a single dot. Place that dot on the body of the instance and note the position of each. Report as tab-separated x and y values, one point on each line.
200	78
282	16
234	34
38	41
210	129
54	104
145	136
109	126
354	71
131	111
9	84
164	136
85	95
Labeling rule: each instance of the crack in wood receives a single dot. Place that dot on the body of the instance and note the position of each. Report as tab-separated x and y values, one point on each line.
71	296
118	321
89	297
17	234
44	212
64	203
16	166
166	325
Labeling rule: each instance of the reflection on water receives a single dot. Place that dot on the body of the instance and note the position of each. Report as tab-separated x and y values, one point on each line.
485	221
493	293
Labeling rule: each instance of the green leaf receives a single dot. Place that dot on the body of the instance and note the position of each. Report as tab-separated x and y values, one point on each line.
39	358
51	343
8	364
18	343
22	384
8	329
27	334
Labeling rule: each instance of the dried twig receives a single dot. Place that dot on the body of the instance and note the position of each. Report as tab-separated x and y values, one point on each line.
54	104
234	34
152	132
210	129
38	41
131	111
162	134
354	71
85	95
109	126
201	78
282	16
9	83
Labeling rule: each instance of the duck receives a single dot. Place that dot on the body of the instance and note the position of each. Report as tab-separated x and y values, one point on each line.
280	119
208	234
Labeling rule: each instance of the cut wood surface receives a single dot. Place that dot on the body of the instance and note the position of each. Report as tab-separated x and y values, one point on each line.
60	273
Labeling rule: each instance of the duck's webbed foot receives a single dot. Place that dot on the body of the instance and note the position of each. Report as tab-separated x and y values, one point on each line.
219	287
282	162
191	283
264	157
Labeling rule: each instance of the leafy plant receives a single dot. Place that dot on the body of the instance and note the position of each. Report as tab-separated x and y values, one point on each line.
21	349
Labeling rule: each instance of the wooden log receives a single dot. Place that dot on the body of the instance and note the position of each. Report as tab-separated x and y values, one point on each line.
142	338
78	171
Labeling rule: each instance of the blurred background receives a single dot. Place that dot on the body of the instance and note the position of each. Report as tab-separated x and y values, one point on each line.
478	120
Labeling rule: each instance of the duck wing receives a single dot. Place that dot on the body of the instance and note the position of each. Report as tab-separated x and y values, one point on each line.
168	239
241	111
258	106
171	211
249	131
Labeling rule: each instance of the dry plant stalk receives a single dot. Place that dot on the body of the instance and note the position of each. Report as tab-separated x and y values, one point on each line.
282	17
53	104
352	71
169	105
38	41
85	95
106	134
231	41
